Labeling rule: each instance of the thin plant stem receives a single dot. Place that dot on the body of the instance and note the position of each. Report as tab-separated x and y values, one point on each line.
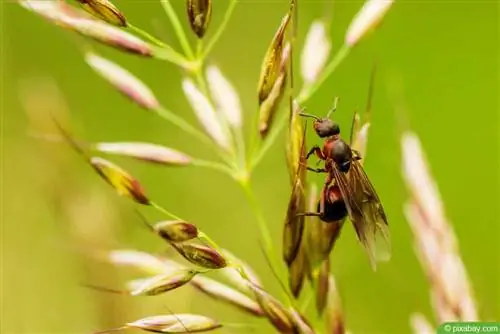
169	54
220	29
213	165
179	31
264	231
182	124
240	148
271	138
164	211
185	126
146	35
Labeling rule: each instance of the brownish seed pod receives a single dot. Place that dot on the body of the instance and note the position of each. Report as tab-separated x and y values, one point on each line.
227	294
119	179
202	256
176	230
277	314
159	284
272	63
199	14
105	10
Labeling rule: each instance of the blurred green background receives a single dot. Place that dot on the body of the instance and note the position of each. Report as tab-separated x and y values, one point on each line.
55	211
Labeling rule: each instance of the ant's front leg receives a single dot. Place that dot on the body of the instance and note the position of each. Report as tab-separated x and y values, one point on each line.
317	151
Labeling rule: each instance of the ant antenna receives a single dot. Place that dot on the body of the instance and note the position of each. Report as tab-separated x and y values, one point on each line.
334	108
309	115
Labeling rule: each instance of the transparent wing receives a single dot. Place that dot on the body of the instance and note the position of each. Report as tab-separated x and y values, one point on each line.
365	212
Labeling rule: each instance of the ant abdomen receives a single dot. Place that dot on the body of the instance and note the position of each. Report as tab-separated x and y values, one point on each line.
335	208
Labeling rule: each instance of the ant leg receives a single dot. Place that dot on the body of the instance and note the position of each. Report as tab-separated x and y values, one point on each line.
309	214
315	170
317	151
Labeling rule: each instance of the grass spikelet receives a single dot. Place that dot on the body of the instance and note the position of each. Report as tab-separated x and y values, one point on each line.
233	275
159	284
105	10
303	325
420	324
123	80
122	181
270	105
202	256
140	260
199	15
146	152
59	13
298	271
176	230
173	323
294	224
272	63
295	148
226	294
315	53
278	315
359	130
206	114
225	96
333	311
435	241
367	19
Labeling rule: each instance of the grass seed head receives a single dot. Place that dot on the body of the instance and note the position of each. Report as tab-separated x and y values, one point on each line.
295	149
119	179
199	15
315	53
335	321
146	152
202	256
206	114
322	286
233	275
124	81
137	259
104	10
294	225
420	324
303	325
159	284
68	17
227	294
281	318
367	19
176	323
176	230
225	96
298	270
272	63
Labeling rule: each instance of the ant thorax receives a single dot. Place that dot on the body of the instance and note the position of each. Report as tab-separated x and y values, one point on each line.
337	150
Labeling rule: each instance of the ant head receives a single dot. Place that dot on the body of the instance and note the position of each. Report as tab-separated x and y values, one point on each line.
325	127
